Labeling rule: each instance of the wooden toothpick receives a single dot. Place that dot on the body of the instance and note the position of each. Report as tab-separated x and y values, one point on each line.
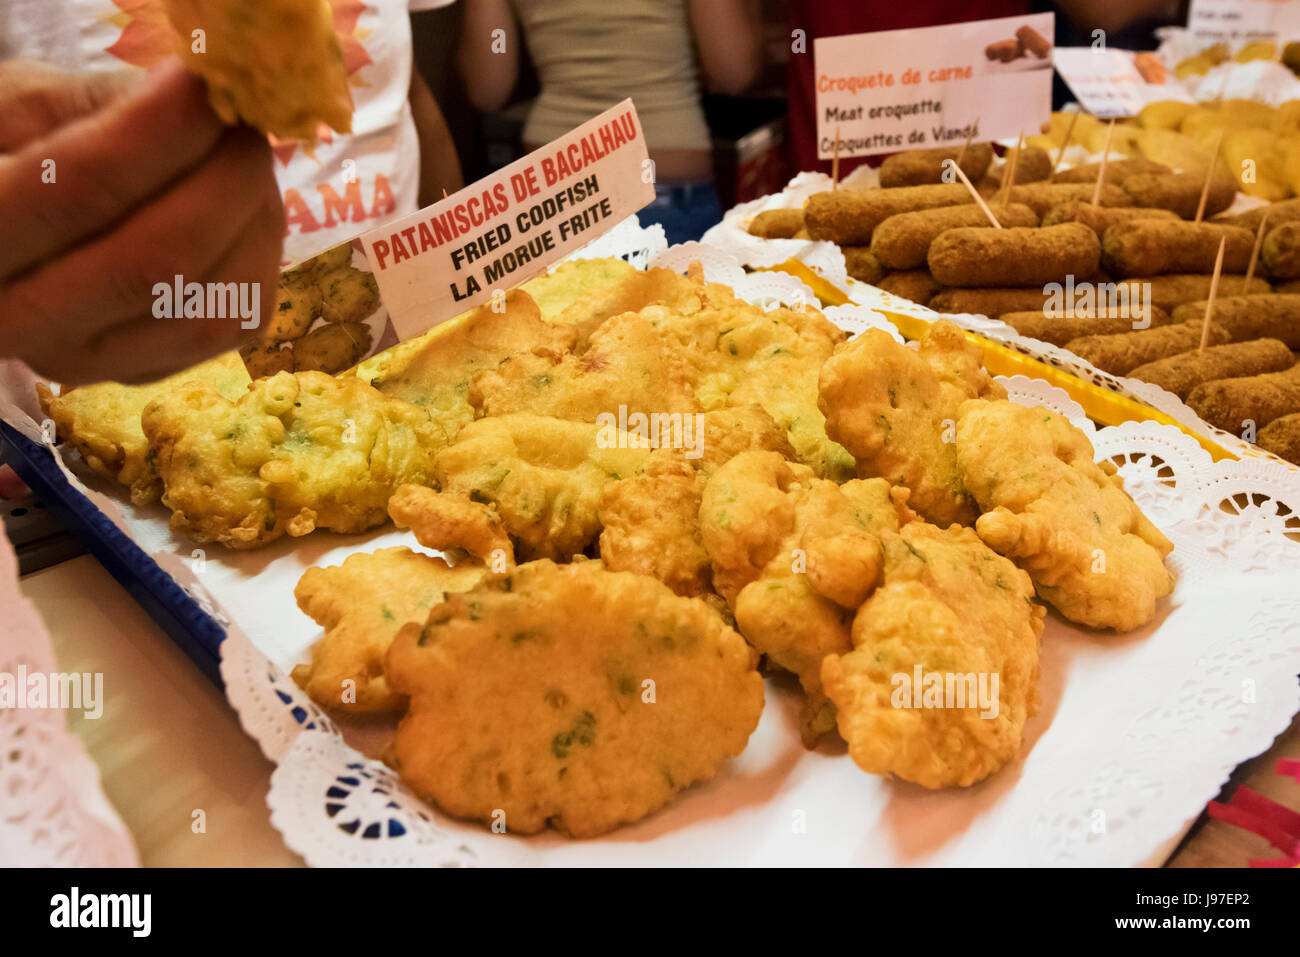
1069	134
1209	175
1009	170
1101	173
835	160
1214	291
977	197
1254	255
965	146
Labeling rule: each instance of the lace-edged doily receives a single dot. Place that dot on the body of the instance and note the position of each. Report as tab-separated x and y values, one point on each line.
53	812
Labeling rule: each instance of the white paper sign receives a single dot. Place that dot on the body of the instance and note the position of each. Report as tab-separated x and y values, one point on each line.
1111	83
462	251
916	89
1237	22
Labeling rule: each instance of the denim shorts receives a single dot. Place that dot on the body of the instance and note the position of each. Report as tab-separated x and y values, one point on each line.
685	209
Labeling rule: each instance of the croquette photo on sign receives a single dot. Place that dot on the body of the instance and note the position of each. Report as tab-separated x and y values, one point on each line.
916	89
507	227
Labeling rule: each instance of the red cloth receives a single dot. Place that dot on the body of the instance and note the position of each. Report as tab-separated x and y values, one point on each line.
831	18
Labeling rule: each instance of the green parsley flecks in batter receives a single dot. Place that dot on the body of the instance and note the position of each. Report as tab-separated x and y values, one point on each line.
583	733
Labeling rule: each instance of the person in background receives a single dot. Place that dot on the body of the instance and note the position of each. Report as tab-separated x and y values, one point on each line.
591	54
832	18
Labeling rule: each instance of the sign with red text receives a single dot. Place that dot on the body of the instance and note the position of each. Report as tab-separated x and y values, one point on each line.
918	89
508	227
1110	83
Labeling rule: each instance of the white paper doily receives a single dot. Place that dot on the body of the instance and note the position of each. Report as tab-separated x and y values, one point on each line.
53	812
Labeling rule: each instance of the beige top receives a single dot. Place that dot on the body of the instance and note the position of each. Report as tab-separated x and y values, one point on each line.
590	54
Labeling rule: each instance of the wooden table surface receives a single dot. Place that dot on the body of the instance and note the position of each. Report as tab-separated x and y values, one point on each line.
168	744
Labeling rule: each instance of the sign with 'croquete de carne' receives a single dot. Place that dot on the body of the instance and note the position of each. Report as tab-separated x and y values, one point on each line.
932	87
493	234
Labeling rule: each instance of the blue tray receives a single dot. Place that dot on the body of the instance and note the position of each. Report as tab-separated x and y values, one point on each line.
196	632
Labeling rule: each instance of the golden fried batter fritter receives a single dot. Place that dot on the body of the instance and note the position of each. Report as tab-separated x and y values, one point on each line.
434	371
545	477
895	409
102	421
795	555
444	522
296	452
586	292
741	428
741	354
263	358
362	604
1061	516
786	388
577	280
275	64
650	525
569	696
651	522
951	614
626	364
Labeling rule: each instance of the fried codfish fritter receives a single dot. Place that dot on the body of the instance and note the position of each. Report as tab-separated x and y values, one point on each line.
697	347
436	373
102	421
298	451
362	604
626	364
650	525
551	313
544	476
569	696
743	355
651	522
584	293
795	555
895	410
445	522
1061	516
575	280
950	612
275	64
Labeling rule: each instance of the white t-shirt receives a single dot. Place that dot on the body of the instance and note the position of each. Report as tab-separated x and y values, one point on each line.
334	189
